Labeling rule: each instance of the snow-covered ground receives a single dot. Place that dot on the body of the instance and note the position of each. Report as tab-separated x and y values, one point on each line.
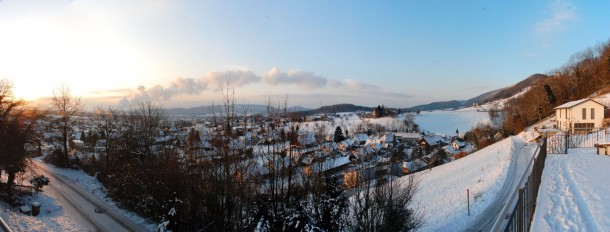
91	185
442	191
574	194
53	215
446	122
58	213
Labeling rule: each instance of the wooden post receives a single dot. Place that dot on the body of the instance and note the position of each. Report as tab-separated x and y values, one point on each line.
468	200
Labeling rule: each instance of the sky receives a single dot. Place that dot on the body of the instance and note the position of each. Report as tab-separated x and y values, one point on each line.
310	53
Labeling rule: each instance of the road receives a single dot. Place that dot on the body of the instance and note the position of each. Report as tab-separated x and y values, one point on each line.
523	154
85	208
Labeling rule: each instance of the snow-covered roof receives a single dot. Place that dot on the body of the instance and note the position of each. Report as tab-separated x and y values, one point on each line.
361	137
408	135
575	103
434	140
389	137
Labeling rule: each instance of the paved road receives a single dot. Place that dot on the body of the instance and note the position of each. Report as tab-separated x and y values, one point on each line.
523	154
83	206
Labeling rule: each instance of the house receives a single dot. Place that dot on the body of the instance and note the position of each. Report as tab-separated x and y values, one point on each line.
360	139
579	116
456	144
345	144
431	141
388	138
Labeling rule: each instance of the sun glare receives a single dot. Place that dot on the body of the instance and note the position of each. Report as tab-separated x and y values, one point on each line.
30	93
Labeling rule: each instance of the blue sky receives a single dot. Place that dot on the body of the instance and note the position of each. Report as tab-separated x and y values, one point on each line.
397	53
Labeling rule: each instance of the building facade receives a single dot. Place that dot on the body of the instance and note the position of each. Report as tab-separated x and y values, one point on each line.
581	116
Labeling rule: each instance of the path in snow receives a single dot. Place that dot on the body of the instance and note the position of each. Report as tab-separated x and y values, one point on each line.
521	159
574	193
84	206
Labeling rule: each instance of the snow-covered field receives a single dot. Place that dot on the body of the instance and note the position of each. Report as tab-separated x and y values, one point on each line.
446	122
442	190
574	194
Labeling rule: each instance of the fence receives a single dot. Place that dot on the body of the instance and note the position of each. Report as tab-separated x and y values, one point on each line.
4	227
520	217
560	142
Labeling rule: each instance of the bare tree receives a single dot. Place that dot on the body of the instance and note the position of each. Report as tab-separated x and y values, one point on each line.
384	205
66	107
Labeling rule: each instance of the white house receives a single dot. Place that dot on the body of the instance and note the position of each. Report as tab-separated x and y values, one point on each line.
579	116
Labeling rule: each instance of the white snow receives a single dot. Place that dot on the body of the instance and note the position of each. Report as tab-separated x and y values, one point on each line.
574	194
92	185
442	190
53	216
57	214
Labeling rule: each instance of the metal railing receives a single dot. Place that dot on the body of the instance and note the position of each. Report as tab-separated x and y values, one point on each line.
4	226
517	215
560	142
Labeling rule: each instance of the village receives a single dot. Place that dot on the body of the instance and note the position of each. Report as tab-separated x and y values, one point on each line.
356	146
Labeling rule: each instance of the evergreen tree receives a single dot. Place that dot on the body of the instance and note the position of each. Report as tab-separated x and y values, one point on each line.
334	203
338	135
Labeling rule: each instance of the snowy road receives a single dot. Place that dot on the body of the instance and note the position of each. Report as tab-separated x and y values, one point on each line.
521	158
91	214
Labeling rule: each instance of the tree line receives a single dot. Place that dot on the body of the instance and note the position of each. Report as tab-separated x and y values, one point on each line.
586	74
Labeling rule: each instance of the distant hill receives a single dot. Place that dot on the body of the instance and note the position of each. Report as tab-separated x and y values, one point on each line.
483	98
240	108
335	109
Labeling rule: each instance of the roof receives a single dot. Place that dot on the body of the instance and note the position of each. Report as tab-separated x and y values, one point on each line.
575	103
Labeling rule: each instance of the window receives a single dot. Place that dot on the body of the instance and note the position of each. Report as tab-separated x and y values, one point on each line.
559	113
566	113
584	113
592	113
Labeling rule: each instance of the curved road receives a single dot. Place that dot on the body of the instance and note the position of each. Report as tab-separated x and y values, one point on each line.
92	214
522	155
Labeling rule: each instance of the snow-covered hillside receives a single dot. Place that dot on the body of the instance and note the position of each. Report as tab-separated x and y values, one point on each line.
442	190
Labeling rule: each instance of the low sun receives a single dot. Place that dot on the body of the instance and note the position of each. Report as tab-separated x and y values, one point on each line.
30	93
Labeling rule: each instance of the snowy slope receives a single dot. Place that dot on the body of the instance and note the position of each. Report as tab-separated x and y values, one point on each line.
574	194
442	190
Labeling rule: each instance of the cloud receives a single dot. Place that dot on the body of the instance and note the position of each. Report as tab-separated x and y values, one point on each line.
214	81
562	12
365	88
305	80
180	86
236	78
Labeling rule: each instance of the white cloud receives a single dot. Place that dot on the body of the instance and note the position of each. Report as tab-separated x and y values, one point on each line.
562	12
215	81
306	80
235	78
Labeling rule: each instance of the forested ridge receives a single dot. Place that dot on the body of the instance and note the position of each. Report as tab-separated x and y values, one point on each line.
586	74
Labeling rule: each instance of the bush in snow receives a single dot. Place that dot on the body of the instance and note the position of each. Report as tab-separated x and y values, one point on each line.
39	182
